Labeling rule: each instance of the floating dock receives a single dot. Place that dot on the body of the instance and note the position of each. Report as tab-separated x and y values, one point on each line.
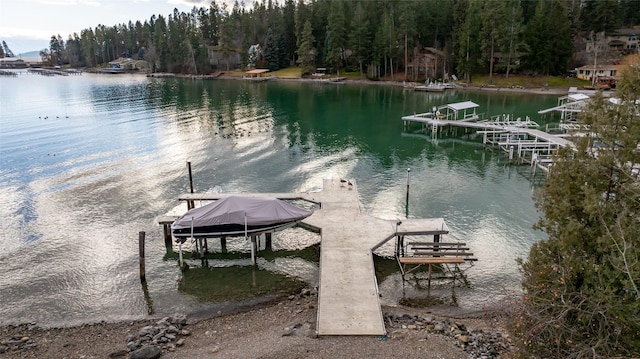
348	297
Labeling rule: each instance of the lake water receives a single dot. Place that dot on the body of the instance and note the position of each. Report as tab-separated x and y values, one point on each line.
87	162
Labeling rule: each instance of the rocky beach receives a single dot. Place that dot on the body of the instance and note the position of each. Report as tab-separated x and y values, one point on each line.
284	328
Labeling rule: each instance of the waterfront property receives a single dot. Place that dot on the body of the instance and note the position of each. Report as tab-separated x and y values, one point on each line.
348	296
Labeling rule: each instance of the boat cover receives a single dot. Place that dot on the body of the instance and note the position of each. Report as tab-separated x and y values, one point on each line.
227	216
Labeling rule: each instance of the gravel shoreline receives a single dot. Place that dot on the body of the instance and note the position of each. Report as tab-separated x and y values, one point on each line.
279	329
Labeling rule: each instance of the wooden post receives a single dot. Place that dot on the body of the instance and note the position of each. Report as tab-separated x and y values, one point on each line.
167	237
267	241
407	199
253	250
190	203
223	244
141	237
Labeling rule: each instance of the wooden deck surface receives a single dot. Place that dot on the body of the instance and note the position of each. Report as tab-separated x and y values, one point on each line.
348	302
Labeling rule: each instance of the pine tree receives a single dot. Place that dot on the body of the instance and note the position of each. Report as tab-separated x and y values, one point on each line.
271	52
582	284
360	38
336	35
306	51
6	51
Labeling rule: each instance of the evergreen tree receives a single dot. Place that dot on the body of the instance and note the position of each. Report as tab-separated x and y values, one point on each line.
491	32
306	51
582	296
208	20
227	36
271	52
469	44
511	44
6	51
300	18
630	13
283	56
601	15
360	39
336	35
548	37
288	33
406	30
159	50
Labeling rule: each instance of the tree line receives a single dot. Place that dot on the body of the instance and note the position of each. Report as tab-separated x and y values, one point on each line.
375	38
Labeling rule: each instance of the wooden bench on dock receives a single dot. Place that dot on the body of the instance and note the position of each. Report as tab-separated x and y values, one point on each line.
417	254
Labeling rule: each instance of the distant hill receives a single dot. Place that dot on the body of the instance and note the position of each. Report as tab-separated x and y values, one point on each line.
29	54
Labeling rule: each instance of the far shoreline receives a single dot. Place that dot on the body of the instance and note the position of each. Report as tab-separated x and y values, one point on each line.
358	81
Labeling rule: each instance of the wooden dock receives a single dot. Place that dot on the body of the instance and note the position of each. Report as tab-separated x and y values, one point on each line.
513	136
348	300
348	297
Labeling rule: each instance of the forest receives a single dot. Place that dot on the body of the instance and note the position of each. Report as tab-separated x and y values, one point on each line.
375	38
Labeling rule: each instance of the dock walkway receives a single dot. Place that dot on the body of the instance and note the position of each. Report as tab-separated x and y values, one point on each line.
348	297
348	301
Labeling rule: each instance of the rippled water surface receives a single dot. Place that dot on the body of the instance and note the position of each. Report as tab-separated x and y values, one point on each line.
87	162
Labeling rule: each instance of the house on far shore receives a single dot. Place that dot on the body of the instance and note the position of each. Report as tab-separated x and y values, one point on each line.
20	62
601	71
624	40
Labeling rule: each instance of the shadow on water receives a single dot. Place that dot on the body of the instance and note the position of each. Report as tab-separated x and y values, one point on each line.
218	284
223	277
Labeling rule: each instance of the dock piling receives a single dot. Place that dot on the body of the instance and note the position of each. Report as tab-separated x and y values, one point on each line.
190	204
407	199
141	239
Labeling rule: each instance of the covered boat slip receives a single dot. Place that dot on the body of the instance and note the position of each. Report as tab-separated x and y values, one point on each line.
348	298
459	111
234	216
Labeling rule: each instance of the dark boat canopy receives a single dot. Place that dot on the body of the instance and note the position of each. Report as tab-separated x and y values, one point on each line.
227	216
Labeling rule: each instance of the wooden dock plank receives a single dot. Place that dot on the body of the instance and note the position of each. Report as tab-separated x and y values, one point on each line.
431	260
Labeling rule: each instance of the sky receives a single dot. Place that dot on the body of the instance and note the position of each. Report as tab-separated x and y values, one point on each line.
27	25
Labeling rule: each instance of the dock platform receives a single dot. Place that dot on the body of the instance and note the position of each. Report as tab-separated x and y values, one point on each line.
513	136
348	297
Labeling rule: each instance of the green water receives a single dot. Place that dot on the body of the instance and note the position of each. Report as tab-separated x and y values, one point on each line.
110	156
